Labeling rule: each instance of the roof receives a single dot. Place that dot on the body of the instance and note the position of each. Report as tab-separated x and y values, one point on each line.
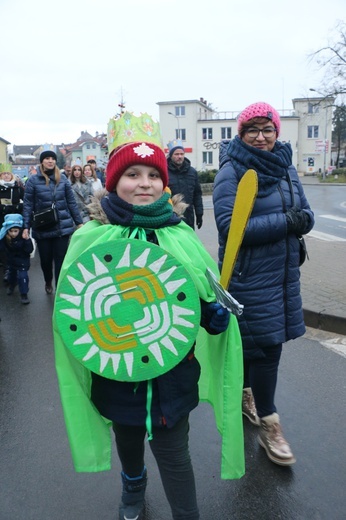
200	101
4	140
25	149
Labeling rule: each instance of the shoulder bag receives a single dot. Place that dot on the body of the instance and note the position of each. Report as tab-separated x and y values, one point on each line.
46	218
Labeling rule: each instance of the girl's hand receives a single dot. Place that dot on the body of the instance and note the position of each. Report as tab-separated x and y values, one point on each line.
26	234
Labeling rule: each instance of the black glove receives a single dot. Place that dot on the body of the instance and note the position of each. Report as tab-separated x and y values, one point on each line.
219	317
199	220
297	221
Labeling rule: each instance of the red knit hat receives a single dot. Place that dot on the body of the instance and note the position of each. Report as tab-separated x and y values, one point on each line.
259	110
130	154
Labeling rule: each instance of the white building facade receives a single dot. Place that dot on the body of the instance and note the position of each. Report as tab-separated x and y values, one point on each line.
307	126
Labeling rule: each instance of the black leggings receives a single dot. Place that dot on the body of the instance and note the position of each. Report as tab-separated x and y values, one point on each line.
261	375
171	451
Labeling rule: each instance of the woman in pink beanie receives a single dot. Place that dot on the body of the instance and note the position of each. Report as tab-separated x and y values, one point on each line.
266	275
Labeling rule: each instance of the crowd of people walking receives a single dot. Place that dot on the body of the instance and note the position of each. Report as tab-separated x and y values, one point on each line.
157	199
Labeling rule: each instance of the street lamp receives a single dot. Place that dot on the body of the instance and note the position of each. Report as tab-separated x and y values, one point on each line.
325	135
177	118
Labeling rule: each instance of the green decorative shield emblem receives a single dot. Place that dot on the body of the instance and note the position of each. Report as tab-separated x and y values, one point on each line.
127	310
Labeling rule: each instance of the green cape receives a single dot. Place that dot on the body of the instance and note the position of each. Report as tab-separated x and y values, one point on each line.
89	433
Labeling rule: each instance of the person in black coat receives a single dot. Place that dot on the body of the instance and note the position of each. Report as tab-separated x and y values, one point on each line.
184	179
11	201
18	252
50	187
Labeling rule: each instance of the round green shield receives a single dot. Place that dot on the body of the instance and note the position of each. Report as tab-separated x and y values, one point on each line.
127	310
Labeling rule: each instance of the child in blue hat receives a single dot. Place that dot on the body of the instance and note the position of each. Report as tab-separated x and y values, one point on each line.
18	252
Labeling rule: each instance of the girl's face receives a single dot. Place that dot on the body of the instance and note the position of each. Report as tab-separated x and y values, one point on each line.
48	163
88	171
77	172
6	176
140	185
13	232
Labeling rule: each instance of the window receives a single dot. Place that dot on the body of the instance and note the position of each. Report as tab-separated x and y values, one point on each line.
313	108
207	157
179	111
88	146
180	133
226	132
312	131
94	145
207	133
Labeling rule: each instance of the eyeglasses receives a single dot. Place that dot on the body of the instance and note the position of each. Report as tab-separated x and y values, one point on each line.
267	132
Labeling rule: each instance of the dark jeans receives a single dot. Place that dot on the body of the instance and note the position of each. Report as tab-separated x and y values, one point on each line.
261	375
21	277
171	451
52	250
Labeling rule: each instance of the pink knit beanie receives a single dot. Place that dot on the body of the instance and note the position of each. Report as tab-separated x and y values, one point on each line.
135	153
259	109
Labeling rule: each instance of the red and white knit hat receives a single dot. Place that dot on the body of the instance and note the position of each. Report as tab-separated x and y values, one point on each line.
259	109
130	154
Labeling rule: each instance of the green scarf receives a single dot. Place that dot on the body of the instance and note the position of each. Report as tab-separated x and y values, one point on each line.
220	357
155	215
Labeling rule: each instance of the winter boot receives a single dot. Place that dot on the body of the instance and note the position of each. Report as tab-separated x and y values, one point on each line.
272	440
6	276
10	290
24	299
48	288
249	407
132	498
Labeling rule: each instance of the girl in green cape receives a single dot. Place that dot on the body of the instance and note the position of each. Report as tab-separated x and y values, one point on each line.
137	205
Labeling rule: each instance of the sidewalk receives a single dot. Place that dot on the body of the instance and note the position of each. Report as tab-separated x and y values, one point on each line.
323	282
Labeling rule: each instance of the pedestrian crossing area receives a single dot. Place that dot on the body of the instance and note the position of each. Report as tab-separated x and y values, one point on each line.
327	236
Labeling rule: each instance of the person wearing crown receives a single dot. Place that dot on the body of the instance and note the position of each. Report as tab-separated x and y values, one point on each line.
134	232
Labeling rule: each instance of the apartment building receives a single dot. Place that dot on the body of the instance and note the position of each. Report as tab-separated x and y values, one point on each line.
307	126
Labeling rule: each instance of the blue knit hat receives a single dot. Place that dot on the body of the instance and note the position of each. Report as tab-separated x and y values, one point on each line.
11	220
174	145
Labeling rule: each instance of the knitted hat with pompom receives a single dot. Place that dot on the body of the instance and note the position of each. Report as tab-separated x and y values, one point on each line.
259	109
130	154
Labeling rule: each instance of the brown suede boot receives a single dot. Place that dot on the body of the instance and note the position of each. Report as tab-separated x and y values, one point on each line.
272	440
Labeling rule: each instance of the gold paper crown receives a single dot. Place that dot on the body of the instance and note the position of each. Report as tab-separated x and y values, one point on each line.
129	128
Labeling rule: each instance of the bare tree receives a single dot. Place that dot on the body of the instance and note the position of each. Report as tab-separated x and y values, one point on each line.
332	58
339	132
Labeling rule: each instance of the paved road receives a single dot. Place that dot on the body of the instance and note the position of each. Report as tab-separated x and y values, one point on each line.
39	483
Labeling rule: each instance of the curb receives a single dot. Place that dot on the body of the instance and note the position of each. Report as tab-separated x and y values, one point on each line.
327	322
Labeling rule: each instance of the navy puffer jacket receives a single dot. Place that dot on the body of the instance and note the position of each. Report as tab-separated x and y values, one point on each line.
266	277
18	252
38	196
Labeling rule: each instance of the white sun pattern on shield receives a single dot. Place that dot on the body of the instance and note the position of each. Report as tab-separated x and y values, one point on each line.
95	297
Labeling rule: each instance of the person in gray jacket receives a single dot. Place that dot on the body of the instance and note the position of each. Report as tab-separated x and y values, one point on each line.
41	191
266	275
183	179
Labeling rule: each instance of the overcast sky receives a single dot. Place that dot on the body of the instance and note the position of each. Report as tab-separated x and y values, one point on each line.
65	64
